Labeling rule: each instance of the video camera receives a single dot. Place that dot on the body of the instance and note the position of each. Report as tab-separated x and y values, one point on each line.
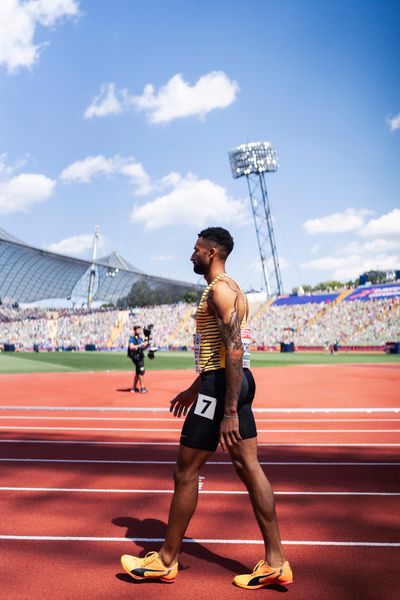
147	331
147	334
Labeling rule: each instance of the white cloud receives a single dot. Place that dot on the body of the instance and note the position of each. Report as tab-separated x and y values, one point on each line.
386	225
178	99
376	246
76	245
18	23
138	177
393	122
163	257
85	170
6	171
349	220
20	193
191	201
169	181
175	100
351	259
350	266
109	101
256	267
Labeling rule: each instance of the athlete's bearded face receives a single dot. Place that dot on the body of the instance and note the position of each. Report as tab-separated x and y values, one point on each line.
201	257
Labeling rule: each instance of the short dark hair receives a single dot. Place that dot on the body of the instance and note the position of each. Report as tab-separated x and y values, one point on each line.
219	235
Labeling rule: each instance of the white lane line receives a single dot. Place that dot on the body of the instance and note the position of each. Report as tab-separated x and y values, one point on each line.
33	428
147	409
124	419
88	442
162	420
335	445
66	538
150	444
171	491
211	462
156	420
162	429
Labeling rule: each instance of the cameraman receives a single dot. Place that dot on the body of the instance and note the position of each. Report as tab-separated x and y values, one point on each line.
136	348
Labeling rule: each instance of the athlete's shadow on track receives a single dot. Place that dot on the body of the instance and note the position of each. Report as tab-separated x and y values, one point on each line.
154	528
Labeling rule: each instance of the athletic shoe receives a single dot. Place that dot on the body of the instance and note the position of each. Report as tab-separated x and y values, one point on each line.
263	575
135	390
149	567
143	390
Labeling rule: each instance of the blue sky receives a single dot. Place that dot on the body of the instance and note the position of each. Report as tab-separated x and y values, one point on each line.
121	114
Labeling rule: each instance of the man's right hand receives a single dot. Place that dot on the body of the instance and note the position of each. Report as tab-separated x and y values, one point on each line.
180	404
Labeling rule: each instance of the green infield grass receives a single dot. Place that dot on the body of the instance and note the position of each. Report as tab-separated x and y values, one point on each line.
32	362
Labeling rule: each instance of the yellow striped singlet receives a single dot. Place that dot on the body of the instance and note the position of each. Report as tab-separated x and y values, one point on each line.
209	350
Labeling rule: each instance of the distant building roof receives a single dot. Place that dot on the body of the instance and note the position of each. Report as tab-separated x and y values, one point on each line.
29	274
116	261
8	237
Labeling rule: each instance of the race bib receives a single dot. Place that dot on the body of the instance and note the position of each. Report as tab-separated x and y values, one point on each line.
246	341
196	346
205	406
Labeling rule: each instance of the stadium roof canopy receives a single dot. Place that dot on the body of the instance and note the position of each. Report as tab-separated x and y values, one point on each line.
29	274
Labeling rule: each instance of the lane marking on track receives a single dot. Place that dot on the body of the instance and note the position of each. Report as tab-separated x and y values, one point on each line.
332	445
171	491
33	428
126	443
169	430
159	420
211	462
146	409
59	538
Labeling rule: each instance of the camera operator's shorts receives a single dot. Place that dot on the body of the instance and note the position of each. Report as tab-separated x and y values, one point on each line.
139	364
201	427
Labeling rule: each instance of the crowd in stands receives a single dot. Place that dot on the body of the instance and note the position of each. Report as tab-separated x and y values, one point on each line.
347	323
353	323
166	320
106	329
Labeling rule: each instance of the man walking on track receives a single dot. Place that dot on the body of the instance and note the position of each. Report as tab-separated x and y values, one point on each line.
220	413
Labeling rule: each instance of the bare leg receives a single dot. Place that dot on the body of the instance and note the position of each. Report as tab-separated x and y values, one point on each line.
184	500
244	458
138	381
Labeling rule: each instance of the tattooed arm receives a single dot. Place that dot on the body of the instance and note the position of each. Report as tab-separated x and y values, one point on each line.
223	301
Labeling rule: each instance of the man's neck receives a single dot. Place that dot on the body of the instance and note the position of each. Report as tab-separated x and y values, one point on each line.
214	271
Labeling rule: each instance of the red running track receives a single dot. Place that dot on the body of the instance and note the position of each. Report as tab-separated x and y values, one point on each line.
78	482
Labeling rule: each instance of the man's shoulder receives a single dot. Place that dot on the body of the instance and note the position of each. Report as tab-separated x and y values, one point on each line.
226	286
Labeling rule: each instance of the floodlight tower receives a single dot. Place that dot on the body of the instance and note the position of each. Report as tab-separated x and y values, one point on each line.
252	160
92	274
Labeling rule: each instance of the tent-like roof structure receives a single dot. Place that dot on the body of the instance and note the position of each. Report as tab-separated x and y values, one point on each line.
29	274
116	261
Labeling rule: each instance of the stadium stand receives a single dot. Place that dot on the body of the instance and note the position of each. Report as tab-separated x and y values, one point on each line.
367	317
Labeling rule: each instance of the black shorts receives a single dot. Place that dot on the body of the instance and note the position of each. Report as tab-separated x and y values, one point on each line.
139	364
202	424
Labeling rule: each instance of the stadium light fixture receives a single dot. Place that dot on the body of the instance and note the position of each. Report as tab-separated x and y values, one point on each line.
252	161
255	157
